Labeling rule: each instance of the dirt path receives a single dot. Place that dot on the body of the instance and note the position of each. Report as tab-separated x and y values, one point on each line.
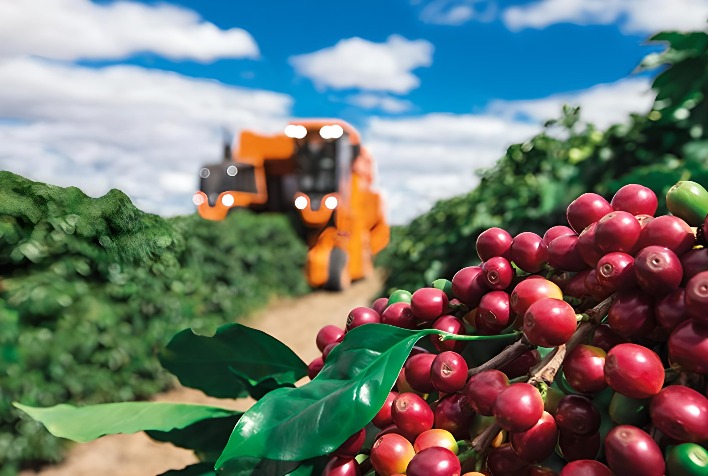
294	322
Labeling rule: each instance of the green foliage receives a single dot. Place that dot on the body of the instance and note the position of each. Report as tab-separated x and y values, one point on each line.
531	185
259	363
91	289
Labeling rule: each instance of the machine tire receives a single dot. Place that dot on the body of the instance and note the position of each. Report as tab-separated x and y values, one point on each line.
338	276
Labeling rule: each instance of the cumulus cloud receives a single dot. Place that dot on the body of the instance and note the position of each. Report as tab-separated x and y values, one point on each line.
633	16
602	104
81	29
363	64
425	158
455	12
146	132
384	103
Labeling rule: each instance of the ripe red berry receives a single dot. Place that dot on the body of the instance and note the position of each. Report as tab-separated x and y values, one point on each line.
555	231
399	314
586	467
564	254
328	335
448	372
584	368
360	316
453	414
452	325
428	304
518	407
391	454
585	210
341	466
615	271
696	298
434	461
670	310
383	417
668	231
411	414
617	231
469	285
681	413
632	452
631	314
576	447
577	414
435	438
538	442
688	347
635	199
549	322
693	262
634	371
658	270
417	371
352	446
529	252
493	313
498	273
482	390
587	248
314	367
529	291
493	242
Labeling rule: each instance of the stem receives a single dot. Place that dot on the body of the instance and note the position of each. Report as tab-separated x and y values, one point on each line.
482	442
448	336
505	356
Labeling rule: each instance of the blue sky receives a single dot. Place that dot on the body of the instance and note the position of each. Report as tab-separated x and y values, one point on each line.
133	95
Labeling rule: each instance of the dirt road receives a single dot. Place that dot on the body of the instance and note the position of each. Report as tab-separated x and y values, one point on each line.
295	322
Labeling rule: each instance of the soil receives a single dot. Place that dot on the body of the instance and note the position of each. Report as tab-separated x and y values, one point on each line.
294	321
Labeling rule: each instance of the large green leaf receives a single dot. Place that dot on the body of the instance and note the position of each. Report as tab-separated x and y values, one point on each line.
235	362
87	423
293	424
199	469
206	437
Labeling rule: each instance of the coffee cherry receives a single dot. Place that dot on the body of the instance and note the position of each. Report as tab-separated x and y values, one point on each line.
595	288
564	254
693	262
670	310
493	314
469	285
328	349
681	413
314	367
537	443
391	454
658	270
399	314
529	291
632	452
529	252
383	418
688	347
399	295
360	316
696	298
453	414
554	232
328	335
631	314
342	466
352	446
493	242
634	371
428	304
504	462
452	325
615	271
617	231
435	461
668	231
586	209
587	248
435	438
518	407
448	372
687	459
379	305
586	467
417	371
635	199
498	273
482	390
605	338
577	414
583	368
549	322
411	414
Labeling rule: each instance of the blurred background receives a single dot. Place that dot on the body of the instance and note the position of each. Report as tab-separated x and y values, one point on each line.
479	113
133	95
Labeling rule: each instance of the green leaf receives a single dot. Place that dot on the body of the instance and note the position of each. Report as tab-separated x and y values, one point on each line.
82	424
199	469
206	437
295	424
236	361
250	466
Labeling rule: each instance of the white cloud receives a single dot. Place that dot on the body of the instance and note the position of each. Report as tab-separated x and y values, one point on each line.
359	63
634	16
455	12
145	132
603	104
80	29
426	158
384	103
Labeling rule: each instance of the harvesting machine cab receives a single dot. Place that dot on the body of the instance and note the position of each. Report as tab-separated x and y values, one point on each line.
317	170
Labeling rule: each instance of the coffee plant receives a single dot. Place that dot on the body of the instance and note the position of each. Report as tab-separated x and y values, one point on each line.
579	351
92	288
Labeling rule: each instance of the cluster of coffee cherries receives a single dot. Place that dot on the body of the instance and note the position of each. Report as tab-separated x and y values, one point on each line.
622	292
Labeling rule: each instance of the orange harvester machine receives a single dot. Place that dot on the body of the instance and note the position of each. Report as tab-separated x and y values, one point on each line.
319	170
